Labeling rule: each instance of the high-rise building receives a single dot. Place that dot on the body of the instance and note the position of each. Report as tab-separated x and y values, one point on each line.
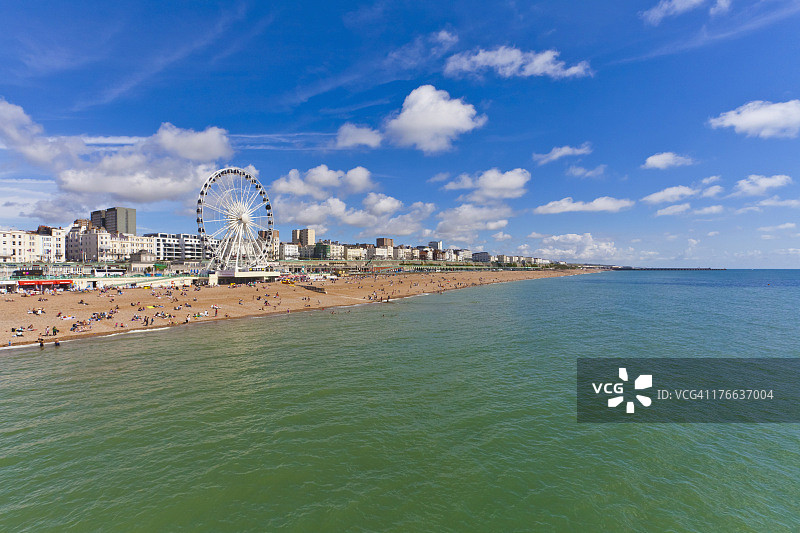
115	219
304	237
384	241
436	245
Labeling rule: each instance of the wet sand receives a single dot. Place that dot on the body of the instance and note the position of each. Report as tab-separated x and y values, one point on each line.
91	313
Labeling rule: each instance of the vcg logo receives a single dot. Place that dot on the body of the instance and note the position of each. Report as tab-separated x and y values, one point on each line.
644	381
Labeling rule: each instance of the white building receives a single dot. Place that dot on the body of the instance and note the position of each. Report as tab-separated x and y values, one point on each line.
289	252
355	253
481	257
178	246
380	253
46	245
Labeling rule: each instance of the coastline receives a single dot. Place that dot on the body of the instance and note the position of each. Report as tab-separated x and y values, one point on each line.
112	312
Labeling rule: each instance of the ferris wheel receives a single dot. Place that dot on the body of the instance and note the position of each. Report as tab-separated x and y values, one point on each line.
234	220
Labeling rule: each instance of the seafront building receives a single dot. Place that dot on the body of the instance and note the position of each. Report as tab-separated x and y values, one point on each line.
115	219
89	240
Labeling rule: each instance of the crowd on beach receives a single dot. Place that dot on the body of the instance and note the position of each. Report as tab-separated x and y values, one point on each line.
103	311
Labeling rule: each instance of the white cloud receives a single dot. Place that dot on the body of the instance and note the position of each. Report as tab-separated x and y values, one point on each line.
462	223
582	172
673	210
567	205
169	165
755	185
208	145
670	194
380	204
712	233
710	210
318	182
430	120
441	176
537	235
693	242
775	201
493	185
664	160
500	236
751	209
510	62
769	237
762	119
405	224
787	225
709	180
574	247
562	151
358	179
351	135
672	8
712	191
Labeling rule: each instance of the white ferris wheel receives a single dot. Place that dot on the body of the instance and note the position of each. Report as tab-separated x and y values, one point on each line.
234	220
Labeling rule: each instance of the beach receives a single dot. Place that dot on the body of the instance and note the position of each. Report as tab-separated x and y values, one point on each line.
32	319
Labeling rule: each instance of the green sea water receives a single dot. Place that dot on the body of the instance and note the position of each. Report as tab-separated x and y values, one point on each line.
447	412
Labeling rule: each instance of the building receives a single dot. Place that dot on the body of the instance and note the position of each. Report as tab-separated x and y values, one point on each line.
45	245
328	250
436	245
481	257
85	242
355	253
178	247
304	237
384	241
115	219
289	251
380	253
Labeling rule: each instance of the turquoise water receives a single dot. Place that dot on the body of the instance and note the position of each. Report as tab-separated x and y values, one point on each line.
451	412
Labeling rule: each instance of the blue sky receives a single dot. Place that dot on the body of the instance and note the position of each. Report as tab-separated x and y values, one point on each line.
643	133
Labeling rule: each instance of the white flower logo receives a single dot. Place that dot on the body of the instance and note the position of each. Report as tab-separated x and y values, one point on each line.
645	381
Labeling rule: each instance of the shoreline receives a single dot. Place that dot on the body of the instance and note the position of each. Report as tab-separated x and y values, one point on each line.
75	307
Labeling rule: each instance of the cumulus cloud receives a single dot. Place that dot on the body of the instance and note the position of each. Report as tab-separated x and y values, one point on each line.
664	160
712	233
492	185
582	172
562	151
169	165
462	223
207	145
430	120
407	223
351	136
712	191
510	62
709	180
500	236
756	185
710	210
575	247
320	181
670	194
673	210
672	8
567	205
381	204
762	119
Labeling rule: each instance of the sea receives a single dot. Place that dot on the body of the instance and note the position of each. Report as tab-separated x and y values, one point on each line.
443	412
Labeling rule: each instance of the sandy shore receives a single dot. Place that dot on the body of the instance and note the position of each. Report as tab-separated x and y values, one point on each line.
85	314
